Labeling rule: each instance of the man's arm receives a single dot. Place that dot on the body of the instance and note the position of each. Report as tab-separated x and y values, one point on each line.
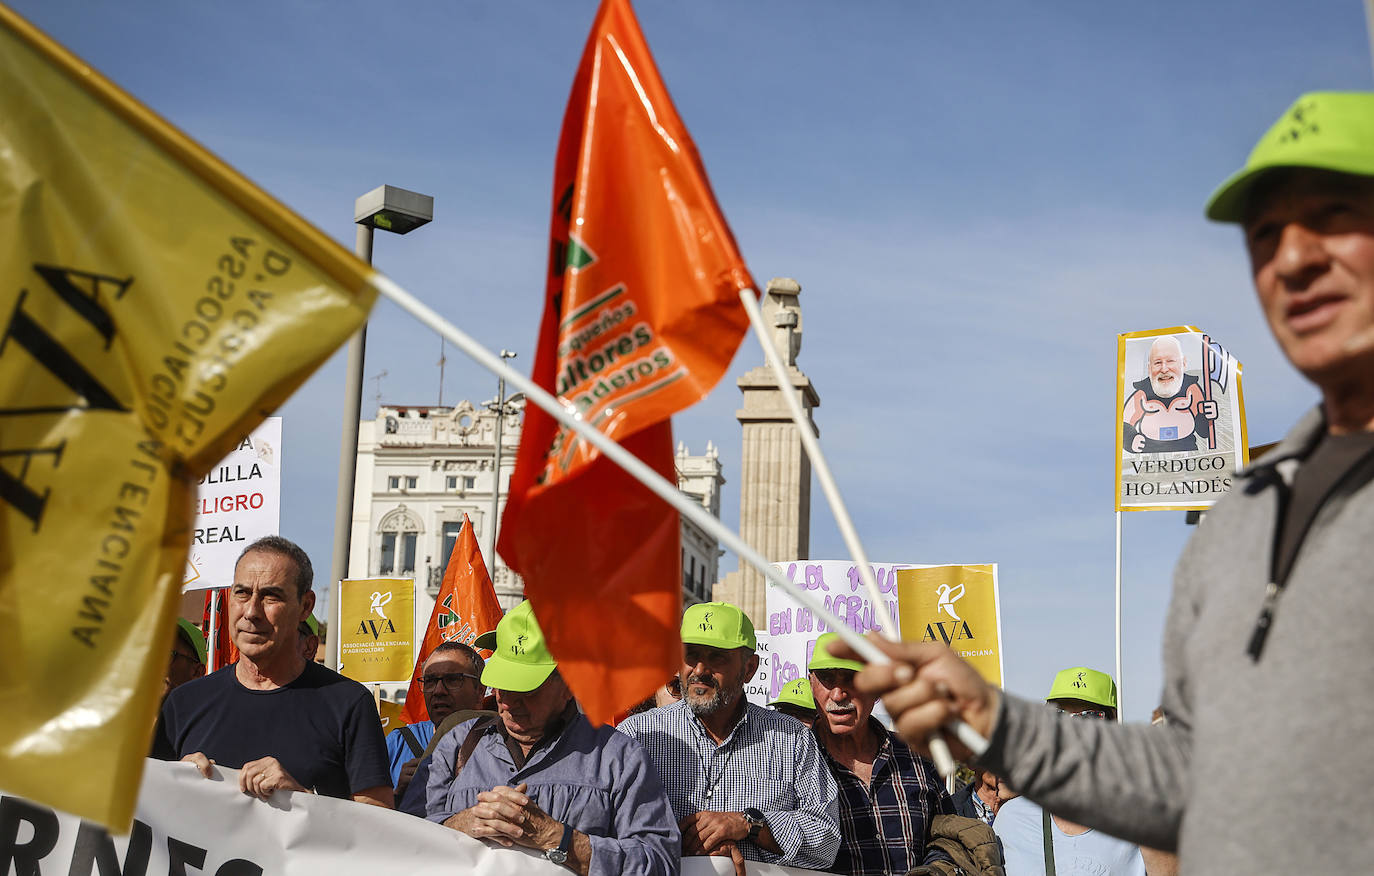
379	795
809	835
441	774
644	839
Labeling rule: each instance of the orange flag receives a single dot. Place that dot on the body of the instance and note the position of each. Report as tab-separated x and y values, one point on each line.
641	319
465	608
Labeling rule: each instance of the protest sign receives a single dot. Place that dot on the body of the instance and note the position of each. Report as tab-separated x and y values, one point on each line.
792	629
377	629
188	824
1180	426
956	605
237	502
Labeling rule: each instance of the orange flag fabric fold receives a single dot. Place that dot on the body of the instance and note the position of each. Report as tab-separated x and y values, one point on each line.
641	319
464	609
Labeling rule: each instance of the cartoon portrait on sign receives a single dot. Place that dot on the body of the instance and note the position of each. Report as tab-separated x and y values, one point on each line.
1180	432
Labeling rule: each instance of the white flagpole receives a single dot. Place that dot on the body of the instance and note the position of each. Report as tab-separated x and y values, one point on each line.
813	450
1119	711
694	511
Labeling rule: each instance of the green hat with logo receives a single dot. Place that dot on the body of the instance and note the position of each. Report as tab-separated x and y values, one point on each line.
486	641
521	660
1325	130
312	624
1082	683
821	658
194	637
719	625
796	692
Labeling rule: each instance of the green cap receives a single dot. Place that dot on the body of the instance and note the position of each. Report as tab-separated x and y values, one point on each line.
821	658
1325	130
796	693
521	661
486	641
718	624
194	637
312	623
1082	683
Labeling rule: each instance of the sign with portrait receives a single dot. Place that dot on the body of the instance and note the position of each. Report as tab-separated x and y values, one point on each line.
377	629
956	606
1180	426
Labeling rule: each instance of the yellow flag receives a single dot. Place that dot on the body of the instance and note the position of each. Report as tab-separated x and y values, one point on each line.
377	629
154	307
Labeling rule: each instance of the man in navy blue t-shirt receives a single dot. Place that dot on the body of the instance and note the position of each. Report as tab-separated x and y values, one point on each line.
283	722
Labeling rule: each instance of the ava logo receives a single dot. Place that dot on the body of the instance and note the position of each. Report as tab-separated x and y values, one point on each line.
945	597
706	626
519	646
378	600
1300	122
1080	683
449	615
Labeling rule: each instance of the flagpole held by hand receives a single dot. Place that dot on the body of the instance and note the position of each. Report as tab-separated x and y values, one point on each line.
568	416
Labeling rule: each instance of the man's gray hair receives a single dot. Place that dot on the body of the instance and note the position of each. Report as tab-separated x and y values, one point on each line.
285	547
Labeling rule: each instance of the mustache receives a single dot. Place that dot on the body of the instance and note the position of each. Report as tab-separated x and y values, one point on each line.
706	680
838	709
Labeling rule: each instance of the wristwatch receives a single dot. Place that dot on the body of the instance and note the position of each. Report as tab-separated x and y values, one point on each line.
756	823
560	854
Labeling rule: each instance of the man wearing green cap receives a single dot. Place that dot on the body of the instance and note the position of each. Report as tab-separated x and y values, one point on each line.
1025	829
795	699
739	776
541	777
889	796
1266	648
188	656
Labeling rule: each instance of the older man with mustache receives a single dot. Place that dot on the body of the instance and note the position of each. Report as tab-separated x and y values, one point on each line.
741	778
1166	411
888	794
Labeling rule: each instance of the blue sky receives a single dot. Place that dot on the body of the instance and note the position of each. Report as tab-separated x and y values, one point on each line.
975	198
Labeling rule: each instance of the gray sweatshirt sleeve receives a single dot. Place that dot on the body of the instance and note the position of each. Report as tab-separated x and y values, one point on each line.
1130	781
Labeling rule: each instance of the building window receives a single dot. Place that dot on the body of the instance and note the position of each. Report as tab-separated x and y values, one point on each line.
451	483
410	483
388	553
393	483
451	531
408	540
469	481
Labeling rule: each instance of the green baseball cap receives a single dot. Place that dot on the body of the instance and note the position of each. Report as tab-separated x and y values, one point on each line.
486	641
821	658
718	624
796	693
312	624
1325	130
521	660
194	637
1082	683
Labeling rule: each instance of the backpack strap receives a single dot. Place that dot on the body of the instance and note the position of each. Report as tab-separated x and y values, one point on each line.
470	743
412	742
1047	831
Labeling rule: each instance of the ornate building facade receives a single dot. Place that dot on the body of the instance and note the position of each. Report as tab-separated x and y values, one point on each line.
422	467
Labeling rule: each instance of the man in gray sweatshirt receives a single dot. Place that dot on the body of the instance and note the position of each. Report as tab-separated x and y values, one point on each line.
1269	640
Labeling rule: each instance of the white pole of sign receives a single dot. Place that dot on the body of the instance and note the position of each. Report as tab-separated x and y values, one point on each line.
636	467
1119	709
214	612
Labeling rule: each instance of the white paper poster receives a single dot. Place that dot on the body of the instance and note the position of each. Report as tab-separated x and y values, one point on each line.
237	502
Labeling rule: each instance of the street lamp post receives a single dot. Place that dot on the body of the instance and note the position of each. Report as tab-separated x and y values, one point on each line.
496	465
400	212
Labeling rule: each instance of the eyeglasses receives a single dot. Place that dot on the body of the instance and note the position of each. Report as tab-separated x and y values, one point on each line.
448	679
1099	714
186	657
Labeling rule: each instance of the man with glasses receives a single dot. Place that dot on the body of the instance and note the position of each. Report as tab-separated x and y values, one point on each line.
1035	842
451	681
187	662
888	795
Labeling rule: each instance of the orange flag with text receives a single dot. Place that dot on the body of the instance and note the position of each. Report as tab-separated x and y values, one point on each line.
641	319
464	609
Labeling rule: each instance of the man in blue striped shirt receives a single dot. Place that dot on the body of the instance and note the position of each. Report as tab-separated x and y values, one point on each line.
737	775
888	794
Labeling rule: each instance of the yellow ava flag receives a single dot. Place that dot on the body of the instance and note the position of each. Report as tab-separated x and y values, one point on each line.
956	605
377	629
154	307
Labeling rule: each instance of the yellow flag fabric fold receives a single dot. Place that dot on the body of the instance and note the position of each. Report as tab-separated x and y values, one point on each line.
154	307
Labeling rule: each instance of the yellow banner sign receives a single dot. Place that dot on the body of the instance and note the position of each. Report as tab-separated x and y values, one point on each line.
377	626
390	713
956	605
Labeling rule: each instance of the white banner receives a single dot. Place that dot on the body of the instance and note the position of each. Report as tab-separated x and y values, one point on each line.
793	630
237	502
185	824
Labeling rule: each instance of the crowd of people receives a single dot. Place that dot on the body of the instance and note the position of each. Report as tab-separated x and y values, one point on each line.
1256	707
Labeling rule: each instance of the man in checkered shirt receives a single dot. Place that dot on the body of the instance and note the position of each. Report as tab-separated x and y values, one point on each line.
737	775
888	793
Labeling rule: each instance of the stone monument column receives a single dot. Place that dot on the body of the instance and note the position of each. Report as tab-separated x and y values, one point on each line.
775	473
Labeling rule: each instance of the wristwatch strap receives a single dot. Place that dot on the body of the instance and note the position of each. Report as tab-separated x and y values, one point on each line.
560	855
756	823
